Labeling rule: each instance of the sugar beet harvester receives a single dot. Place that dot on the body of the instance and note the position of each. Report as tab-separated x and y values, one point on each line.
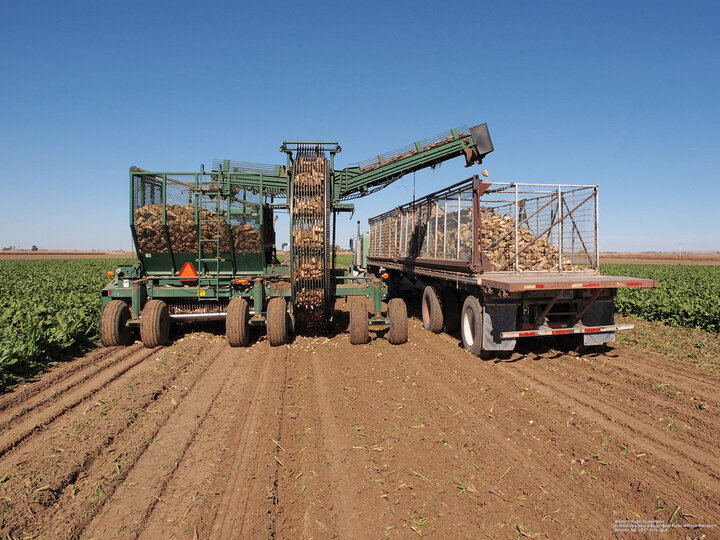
206	250
501	261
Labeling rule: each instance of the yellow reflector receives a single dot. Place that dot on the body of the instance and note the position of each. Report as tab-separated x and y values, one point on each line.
110	273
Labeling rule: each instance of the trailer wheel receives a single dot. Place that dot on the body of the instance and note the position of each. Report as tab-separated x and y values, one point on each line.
155	324
451	309
432	313
113	331
237	323
397	313
471	325
277	321
359	330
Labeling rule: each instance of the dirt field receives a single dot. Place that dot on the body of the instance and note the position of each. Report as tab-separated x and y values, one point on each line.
320	439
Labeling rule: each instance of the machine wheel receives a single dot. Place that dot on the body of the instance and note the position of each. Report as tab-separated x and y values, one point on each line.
155	324
471	325
277	321
113	331
359	330
237	322
432	313
451	309
397	313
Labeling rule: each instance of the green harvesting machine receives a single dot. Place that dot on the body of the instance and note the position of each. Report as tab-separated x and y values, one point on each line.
206	249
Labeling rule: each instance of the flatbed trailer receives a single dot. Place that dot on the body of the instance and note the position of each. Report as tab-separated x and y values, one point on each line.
501	262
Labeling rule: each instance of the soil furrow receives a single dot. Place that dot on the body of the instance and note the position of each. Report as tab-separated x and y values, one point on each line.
144	485
620	423
54	391
55	376
179	507
350	525
81	458
661	406
38	420
235	516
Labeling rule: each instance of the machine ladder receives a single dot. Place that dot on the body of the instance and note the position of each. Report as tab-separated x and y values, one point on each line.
209	221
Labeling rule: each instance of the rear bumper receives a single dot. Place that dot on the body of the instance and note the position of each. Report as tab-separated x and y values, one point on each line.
566	331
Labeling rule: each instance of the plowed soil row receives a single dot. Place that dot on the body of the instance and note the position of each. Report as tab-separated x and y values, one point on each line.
321	439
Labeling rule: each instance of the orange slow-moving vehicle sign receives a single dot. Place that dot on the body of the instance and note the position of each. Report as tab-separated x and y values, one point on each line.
188	274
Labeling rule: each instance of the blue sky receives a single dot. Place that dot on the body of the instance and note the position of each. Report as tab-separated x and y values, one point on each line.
620	94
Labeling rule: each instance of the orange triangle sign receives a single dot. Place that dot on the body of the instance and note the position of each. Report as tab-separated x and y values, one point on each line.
188	273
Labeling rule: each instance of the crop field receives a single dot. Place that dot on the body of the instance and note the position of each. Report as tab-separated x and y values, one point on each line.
49	309
321	439
688	296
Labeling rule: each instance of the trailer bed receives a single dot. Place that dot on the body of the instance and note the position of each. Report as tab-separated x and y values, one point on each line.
518	282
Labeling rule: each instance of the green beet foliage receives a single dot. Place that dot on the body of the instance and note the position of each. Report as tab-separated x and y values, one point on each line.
688	296
49	310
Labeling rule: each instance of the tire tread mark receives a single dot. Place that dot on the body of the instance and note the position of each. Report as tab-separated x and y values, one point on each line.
600	413
348	519
225	519
139	522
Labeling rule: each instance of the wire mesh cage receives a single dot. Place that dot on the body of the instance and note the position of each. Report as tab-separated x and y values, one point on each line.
516	227
178	212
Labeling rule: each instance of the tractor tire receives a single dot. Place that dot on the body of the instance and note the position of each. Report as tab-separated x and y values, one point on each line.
155	324
277	321
432	312
471	325
113	331
397	313
451	310
359	328
237	323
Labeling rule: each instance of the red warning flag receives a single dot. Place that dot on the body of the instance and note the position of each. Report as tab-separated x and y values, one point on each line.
188	274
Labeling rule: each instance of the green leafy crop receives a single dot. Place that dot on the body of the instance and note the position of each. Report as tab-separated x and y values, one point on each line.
49	309
688	296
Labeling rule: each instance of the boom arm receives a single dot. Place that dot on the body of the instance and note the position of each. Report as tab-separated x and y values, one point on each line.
356	181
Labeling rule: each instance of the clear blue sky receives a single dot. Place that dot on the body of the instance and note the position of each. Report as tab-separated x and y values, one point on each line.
622	94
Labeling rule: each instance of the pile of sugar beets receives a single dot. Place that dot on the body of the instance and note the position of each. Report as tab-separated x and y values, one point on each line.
183	232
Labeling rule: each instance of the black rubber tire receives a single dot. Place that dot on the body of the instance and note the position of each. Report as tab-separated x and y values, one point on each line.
277	321
431	309
471	325
397	313
451	310
359	328
155	324
113	331
237	322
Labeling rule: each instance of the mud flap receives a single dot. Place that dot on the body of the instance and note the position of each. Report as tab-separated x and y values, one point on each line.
601	313
498	318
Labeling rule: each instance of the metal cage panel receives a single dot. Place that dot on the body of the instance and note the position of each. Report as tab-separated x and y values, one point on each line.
520	227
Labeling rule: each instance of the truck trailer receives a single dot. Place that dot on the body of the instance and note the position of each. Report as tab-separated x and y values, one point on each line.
501	262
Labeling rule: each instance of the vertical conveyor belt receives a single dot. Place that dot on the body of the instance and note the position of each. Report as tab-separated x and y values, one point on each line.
310	238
